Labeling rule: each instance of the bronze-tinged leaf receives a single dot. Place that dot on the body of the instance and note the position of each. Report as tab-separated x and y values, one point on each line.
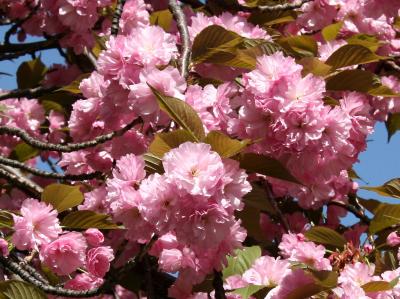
224	145
369	41
266	166
326	236
6	219
250	220
348	55
62	197
257	198
314	66
305	291
248	291
325	278
393	124
30	73
390	188
182	113
162	18
377	286
153	163
241	261
16	289
371	205
386	216
164	142
215	44
331	31
87	219
300	45
23	152
74	86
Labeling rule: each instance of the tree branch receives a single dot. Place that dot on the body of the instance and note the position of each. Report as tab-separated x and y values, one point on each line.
117	16
46	174
20	181
281	7
278	211
352	210
69	147
11	51
180	18
29	93
218	285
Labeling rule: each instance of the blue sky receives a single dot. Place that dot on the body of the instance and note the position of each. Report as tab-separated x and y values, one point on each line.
380	163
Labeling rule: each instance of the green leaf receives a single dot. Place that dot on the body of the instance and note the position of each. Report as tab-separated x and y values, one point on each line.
371	205
250	220
215	44
385	216
331	31
246	292
377	286
257	198
30	73
162	18
87	219
348	55
266	166
359	80
324	278
393	124
390	188
6	219
305	291
368	41
182	113
164	142
270	18
301	45
326	236
52	105
314	66
16	289
62	197
74	86
153	164
241	261
23	152
225	146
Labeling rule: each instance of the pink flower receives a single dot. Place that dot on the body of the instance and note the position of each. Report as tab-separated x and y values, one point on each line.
193	167
37	225
4	247
130	169
393	239
98	260
134	15
357	273
94	237
95	200
84	281
66	254
170	260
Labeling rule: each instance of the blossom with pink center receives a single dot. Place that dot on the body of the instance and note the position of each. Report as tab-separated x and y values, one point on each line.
94	237
37	225
98	260
95	201
193	167
64	255
312	255
84	281
266	271
133	15
130	169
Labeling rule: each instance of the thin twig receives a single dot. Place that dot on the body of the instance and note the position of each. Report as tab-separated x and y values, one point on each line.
117	16
218	285
11	51
46	174
20	181
29	93
49	289
69	147
278	211
351	209
282	7
180	18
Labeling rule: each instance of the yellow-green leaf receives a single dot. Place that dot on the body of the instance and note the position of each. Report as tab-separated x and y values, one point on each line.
348	55
331	31
16	289
52	105
74	86
390	188
23	152
164	142
224	145
62	197
182	113
368	41
6	219
302	45
326	236
325	278
314	66
215	44
248	291
30	73
87	219
377	286
385	216
266	166
393	124
242	260
305	291
162	18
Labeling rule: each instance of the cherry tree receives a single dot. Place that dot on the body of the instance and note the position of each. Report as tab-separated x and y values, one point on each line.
198	149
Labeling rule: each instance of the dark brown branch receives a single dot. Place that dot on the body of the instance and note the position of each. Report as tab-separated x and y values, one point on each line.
180	18
117	16
46	174
29	93
218	285
11	51
278	211
19	181
352	210
49	289
69	147
282	7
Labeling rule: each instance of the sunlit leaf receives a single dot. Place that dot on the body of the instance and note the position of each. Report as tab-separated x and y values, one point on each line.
6	219
182	113
390	188
23	152
377	286
386	216
302	45
30	73
74	86
325	278
224	145
369	41
247	291
62	197
16	289
266	166
153	164
87	219
331	31
393	124
242	260
162	18
326	236
314	66
164	142
371	205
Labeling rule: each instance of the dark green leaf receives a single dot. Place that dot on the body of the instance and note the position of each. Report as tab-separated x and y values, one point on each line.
241	261
266	166
302	45
87	219
182	113
324	278
393	124
16	289
30	73
225	146
164	142
326	236
371	205
258	198
62	197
